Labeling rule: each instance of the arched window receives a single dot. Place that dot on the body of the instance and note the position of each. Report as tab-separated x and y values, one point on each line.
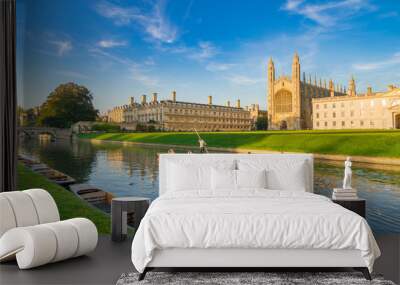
283	101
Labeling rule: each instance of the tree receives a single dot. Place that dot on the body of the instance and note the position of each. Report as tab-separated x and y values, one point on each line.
67	104
262	123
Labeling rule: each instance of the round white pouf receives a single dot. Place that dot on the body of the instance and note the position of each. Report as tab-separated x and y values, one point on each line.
40	244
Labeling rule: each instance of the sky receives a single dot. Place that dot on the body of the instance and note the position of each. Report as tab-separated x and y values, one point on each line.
121	48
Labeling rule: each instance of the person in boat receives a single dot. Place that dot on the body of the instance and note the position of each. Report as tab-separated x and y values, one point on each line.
171	150
202	145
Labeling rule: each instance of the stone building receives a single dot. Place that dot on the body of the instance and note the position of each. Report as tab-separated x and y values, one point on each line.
256	113
290	98
372	110
116	114
173	115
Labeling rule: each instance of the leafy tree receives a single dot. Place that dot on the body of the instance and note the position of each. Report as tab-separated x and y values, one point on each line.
262	123
67	104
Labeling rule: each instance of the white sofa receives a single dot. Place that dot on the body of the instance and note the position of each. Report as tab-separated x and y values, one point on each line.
31	231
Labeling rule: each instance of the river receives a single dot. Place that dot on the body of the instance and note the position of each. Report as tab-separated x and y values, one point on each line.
127	170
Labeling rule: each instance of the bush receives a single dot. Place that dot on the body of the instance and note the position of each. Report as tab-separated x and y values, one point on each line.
108	128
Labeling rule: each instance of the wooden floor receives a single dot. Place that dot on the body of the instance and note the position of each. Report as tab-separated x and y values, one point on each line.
110	260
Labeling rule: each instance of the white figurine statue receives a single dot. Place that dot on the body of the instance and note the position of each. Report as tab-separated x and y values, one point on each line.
347	174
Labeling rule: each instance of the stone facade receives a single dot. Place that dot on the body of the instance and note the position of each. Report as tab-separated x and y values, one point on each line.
256	113
116	114
290	98
372	110
173	115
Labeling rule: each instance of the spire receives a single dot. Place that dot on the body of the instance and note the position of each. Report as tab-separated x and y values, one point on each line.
331	88
369	90
352	87
304	77
325	83
296	57
271	71
296	69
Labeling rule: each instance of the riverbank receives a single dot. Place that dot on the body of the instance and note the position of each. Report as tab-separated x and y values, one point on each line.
68	204
375	147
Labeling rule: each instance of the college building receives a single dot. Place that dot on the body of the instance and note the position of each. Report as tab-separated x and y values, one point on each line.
174	115
295	103
372	110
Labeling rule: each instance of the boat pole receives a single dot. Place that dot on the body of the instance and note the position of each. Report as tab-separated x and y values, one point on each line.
205	147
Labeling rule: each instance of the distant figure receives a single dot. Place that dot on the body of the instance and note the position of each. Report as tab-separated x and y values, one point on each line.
202	145
347	174
171	150
189	152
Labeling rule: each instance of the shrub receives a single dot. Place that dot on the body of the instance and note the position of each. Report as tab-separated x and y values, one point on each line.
108	128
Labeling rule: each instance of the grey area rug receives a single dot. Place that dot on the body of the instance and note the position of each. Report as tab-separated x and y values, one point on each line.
228	278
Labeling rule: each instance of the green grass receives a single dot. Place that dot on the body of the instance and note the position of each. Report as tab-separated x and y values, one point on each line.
68	204
373	143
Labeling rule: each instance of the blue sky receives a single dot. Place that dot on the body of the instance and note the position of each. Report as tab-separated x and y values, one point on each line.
122	48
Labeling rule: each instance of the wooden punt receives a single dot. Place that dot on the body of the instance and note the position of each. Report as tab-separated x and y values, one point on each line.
93	195
50	173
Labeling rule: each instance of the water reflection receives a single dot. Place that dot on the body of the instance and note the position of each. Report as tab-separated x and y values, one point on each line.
128	170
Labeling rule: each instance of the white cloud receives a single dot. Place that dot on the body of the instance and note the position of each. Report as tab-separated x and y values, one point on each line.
155	23
205	50
139	71
62	46
139	76
72	74
217	66
244	80
111	43
390	14
114	58
393	60
327	13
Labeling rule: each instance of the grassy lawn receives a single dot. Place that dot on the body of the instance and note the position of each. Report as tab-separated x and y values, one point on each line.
374	143
68	204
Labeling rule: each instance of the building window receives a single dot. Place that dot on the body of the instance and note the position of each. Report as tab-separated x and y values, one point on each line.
334	115
325	106
325	115
343	123
351	113
283	102
317	115
361	123
326	124
334	123
333	105
317	124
